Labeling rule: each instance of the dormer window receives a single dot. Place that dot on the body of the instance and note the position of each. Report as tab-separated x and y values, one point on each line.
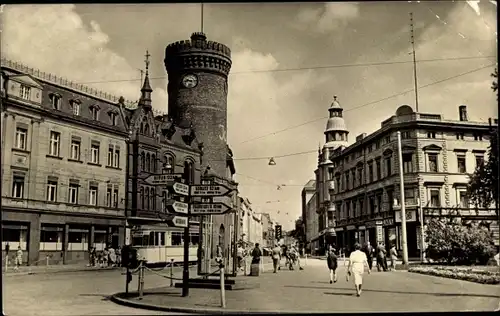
113	117
75	106
25	92
55	101
94	112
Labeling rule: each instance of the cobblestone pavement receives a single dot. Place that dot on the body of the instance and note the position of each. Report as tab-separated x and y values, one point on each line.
309	290
73	293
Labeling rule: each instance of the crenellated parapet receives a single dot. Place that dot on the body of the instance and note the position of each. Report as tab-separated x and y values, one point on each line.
198	54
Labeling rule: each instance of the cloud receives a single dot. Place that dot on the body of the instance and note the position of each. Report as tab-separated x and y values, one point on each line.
328	18
54	39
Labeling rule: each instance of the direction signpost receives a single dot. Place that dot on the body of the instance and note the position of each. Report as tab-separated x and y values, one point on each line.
181	210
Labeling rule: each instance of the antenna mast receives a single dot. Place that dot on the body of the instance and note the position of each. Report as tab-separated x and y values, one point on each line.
202	17
412	39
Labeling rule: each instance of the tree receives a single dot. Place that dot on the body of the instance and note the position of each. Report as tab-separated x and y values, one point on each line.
483	185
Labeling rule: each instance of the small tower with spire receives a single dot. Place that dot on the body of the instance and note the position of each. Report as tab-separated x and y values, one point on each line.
145	101
336	133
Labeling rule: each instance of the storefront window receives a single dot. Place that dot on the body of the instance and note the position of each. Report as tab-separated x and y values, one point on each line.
14	234
51	237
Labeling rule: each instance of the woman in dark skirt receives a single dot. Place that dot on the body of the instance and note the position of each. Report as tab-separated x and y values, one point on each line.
332	264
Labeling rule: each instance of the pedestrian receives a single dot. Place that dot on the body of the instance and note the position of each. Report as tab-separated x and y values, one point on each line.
118	253
357	263
296	256
332	262
381	257
112	257
19	258
276	254
7	249
369	251
92	257
239	255
394	257
105	255
255	266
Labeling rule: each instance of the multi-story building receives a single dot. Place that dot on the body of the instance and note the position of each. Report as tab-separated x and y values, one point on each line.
267	231
438	157
336	135
63	166
309	214
158	146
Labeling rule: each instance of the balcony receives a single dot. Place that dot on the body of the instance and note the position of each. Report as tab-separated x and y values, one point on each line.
61	207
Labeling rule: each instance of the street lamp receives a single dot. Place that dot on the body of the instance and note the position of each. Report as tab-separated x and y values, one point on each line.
272	162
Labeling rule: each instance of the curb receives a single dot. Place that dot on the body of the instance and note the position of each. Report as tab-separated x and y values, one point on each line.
119	298
9	274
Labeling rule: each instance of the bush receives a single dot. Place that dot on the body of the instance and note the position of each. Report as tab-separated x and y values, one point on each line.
466	274
455	243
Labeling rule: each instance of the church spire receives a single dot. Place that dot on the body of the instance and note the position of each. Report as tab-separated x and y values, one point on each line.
146	90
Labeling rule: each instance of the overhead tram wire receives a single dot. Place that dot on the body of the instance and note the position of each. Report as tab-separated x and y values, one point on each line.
367	104
311	68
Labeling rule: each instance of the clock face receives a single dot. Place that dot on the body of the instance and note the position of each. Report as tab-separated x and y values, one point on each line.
189	81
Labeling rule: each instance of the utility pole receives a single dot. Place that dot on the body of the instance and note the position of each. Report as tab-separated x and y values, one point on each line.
495	193
402	201
415	82
419	201
202	17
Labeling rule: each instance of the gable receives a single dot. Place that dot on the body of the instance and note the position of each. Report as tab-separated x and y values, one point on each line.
432	147
26	80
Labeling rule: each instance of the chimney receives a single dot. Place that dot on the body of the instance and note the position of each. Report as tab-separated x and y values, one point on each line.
360	137
462	111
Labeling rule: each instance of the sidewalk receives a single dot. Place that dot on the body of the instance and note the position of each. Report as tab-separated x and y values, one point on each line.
26	270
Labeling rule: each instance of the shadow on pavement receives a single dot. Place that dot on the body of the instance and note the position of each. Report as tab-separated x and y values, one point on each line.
104	297
396	292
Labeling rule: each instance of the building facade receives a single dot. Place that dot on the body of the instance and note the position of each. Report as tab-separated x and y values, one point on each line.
157	146
63	166
268	239
438	157
336	136
309	214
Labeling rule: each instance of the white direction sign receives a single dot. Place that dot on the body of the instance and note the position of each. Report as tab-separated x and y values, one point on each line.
180	188
209	208
209	190
179	221
178	207
159	179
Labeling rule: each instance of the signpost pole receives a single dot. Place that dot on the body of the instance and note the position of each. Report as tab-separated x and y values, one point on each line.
185	272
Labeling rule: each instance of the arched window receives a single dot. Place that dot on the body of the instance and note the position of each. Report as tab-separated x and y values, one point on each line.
188	171
169	164
147	198
141	196
143	161
141	128
164	199
152	196
153	163
148	163
146	129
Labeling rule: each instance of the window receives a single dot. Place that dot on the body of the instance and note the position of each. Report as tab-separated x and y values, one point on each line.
21	136
75	149
463	199
407	163
109	197
148	163
25	92
52	191
360	176
113	117
433	162
55	144
164	199
370	172
168	166
18	187
94	153
330	173
347	182
94	113
141	195
478	137
153	163
435	197
93	195
405	135
390	198
388	166
387	139
116	158
152	196
337	183
353	175
146	198
73	193
431	134
461	164
115	197
377	144
379	203
479	160
378	169
55	101
410	196
110	156
75	106
460	136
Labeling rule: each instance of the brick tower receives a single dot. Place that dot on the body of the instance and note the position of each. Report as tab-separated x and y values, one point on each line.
197	96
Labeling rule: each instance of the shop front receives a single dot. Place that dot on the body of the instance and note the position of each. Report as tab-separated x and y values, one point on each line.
374	232
389	232
341	237
412	232
352	237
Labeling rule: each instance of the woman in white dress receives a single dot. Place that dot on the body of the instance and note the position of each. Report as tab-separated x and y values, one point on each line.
357	263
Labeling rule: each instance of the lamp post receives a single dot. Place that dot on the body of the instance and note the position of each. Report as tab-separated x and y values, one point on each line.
402	201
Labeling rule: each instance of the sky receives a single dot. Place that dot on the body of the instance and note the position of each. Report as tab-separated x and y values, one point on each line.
289	59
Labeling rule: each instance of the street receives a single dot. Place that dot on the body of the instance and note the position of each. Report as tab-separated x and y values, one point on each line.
74	293
85	293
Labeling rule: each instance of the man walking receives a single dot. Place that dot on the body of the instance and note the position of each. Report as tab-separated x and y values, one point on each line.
381	257
276	254
368	250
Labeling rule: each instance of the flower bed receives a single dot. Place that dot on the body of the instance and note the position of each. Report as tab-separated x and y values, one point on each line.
472	274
